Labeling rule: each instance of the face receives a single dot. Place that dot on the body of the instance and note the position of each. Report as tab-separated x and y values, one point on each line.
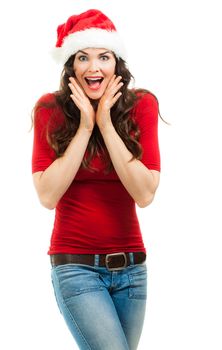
93	69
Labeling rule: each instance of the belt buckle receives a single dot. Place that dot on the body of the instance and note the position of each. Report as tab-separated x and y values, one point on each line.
115	268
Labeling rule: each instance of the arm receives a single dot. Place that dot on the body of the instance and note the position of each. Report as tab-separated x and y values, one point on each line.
52	183
139	181
58	174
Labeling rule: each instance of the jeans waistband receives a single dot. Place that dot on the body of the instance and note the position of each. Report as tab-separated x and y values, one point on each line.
115	261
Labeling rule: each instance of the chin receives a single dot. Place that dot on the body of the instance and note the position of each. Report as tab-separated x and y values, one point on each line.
95	95
94	98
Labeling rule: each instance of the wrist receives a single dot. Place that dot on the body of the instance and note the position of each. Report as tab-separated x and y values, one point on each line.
85	130
107	128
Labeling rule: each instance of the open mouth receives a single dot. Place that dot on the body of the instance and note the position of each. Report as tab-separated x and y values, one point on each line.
94	83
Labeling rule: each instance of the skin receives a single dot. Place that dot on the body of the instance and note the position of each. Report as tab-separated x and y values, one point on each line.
93	63
94	107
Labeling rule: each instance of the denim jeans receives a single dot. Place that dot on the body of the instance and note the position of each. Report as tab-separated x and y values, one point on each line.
103	309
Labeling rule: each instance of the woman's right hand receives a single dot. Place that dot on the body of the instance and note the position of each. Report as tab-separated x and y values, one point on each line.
87	112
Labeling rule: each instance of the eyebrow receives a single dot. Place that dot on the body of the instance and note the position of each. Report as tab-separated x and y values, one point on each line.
85	53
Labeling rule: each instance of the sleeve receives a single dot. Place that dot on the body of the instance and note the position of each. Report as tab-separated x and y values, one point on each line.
147	119
42	154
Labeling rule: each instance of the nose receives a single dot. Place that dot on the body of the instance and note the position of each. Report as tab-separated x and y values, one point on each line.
93	66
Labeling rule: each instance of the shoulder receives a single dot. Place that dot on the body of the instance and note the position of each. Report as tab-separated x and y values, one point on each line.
145	99
46	100
46	107
146	106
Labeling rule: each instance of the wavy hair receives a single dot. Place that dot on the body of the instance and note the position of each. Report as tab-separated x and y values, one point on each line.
123	123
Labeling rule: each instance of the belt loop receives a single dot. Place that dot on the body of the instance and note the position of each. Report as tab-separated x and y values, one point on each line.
131	256
96	260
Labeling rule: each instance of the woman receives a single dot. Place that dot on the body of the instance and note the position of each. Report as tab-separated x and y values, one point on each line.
95	155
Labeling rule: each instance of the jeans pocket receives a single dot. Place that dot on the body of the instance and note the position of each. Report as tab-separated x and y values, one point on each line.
138	282
74	280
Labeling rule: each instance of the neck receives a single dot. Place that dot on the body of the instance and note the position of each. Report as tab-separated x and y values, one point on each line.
94	103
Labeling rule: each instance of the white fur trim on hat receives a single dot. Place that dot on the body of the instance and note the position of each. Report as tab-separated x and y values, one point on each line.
96	38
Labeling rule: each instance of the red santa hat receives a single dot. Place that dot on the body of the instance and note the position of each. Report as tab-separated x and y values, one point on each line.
88	29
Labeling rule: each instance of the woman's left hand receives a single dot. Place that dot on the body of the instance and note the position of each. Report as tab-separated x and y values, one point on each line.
109	98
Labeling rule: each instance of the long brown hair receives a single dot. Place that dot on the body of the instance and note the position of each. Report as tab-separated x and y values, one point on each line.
124	124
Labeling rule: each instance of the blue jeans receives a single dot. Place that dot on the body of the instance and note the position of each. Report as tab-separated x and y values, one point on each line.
103	309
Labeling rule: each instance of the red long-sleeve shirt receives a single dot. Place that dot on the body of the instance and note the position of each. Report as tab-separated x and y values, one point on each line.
97	215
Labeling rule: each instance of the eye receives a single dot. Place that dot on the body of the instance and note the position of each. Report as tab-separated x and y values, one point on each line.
82	58
104	58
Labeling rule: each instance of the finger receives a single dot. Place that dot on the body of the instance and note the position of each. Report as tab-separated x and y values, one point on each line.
76	101
111	81
74	91
72	87
114	81
75	98
77	86
113	90
116	88
74	83
117	79
116	97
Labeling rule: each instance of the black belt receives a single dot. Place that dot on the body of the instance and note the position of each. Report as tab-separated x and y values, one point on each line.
116	261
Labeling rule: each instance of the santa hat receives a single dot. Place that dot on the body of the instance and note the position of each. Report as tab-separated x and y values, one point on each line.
88	29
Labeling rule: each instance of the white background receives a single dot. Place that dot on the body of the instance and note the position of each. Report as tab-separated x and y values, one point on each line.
174	50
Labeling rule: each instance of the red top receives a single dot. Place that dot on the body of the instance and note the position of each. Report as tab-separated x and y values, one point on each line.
97	215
